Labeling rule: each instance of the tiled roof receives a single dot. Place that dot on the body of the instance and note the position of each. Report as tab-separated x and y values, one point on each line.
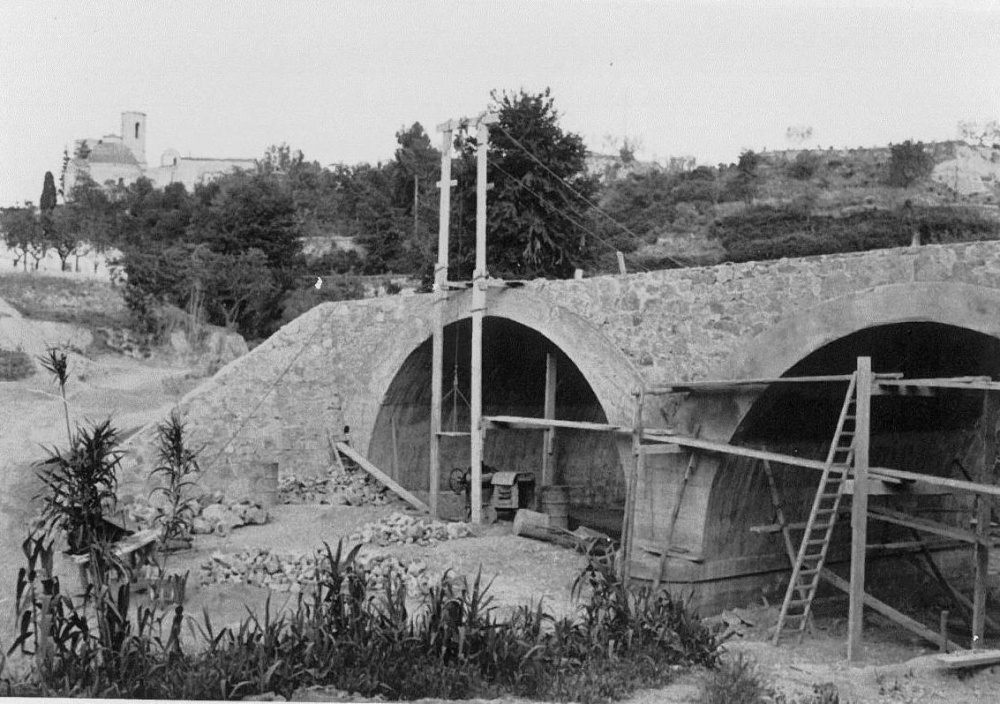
111	153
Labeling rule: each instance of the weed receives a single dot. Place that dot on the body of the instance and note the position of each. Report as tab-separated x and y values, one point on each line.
176	465
736	681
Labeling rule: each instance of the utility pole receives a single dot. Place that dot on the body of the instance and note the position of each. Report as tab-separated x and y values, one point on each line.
440	298
478	313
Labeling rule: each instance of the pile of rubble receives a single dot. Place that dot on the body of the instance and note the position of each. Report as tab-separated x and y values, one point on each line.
400	529
212	512
297	572
342	487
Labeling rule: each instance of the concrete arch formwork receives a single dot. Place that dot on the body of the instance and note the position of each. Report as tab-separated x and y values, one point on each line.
726	497
596	384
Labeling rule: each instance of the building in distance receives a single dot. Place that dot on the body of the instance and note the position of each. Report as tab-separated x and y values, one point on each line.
121	159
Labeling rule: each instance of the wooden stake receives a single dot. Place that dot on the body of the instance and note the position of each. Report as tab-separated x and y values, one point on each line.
548	438
983	515
383	478
395	449
859	512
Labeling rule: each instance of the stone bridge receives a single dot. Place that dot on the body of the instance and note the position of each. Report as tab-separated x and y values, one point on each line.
924	311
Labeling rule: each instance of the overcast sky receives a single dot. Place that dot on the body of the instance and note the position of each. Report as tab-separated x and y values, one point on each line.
338	79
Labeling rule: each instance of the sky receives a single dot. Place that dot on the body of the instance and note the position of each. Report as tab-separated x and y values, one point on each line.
338	79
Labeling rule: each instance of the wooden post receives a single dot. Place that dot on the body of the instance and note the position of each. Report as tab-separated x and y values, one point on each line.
983	475
478	313
395	449
440	297
859	512
548	437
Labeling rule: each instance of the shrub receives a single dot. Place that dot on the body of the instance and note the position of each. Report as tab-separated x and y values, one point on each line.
909	162
15	365
736	681
806	164
340	635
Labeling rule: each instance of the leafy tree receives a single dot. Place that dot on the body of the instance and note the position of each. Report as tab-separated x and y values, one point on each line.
61	232
20	231
909	162
746	180
537	218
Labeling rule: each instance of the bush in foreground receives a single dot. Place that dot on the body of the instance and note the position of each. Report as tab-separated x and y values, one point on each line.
341	635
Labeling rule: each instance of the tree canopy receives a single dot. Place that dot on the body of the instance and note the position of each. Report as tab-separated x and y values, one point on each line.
538	208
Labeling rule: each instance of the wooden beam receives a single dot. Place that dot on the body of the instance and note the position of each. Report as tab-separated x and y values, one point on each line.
667	449
969	658
898	518
683	386
959	484
550	413
383	478
478	313
889	612
968	383
983	472
525	423
859	512
776	457
440	296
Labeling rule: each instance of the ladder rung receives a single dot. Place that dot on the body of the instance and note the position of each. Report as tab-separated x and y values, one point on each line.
812	556
453	434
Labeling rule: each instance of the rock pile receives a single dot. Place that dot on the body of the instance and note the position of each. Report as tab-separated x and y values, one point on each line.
347	487
297	572
400	528
213	513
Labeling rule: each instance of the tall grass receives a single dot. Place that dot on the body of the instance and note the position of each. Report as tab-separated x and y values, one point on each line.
452	646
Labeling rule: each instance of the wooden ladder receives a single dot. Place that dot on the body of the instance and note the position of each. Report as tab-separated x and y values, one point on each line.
811	556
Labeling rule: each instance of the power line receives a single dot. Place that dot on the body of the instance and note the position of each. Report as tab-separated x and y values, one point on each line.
576	192
548	204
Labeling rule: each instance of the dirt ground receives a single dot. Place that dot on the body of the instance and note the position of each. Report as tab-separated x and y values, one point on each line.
898	667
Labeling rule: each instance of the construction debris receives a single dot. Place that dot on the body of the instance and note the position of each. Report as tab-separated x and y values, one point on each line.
400	529
297	572
211	512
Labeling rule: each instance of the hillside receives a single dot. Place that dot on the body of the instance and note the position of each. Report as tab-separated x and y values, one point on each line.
805	202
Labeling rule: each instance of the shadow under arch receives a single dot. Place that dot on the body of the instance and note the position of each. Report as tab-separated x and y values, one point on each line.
920	329
596	382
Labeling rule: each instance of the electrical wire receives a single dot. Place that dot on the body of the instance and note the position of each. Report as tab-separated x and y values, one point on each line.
575	192
545	201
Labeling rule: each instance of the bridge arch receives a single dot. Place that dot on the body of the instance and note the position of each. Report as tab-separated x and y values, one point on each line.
519	329
920	329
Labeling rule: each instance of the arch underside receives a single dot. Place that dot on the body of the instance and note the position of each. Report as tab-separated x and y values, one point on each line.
518	334
919	330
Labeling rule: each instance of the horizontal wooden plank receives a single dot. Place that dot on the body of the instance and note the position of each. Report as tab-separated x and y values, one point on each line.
961	485
901	519
383	478
969	658
525	423
665	449
971	383
725	384
792	460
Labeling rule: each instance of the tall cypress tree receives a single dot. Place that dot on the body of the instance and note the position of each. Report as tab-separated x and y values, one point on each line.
47	203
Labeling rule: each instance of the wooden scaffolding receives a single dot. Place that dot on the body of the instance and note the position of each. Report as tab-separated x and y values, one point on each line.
846	472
